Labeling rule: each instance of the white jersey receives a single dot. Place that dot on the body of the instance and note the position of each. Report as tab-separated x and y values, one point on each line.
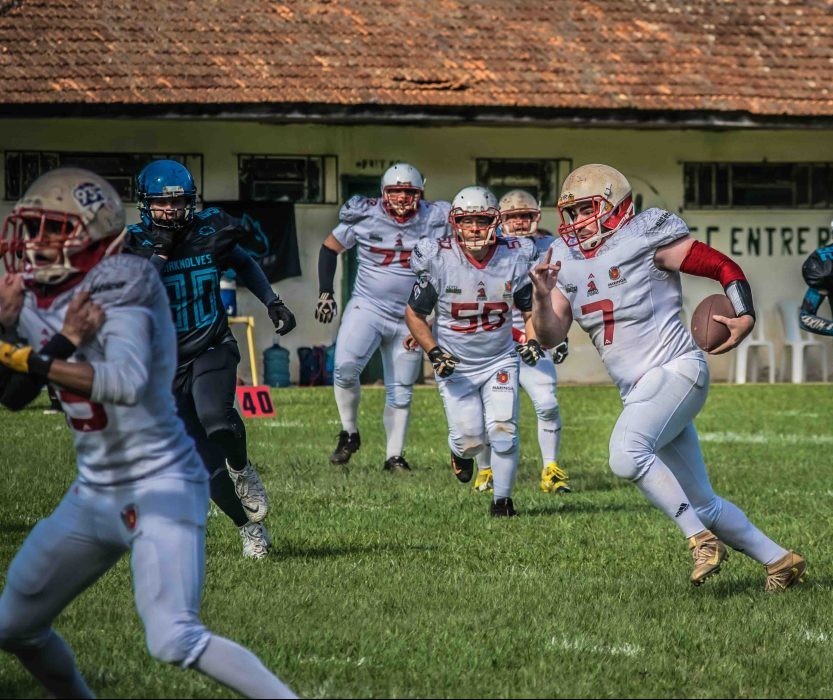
128	428
384	277
474	299
629	307
542	244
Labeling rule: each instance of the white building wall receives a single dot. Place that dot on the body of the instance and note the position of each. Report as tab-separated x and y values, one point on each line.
652	159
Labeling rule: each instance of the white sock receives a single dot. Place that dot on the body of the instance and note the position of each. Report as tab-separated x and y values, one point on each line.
661	488
396	427
347	400
236	667
734	528
504	470
549	440
53	665
484	458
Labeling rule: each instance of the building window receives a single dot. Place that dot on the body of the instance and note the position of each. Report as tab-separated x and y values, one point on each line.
758	185
541	178
275	178
119	169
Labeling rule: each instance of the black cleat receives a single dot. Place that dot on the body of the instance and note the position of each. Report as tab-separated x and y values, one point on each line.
463	468
396	464
348	443
502	508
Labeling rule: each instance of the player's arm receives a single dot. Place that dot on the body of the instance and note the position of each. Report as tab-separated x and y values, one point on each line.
326	309
19	390
808	318
421	303
695	258
530	350
252	275
551	312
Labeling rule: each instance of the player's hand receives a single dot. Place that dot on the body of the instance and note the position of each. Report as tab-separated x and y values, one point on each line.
544	275
410	343
83	319
738	327
280	315
560	352
11	300
15	357
530	351
163	242
326	309
444	362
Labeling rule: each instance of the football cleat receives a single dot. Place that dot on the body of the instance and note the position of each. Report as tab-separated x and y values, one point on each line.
463	468
554	479
256	542
484	481
502	508
396	464
348	443
251	492
785	572
708	553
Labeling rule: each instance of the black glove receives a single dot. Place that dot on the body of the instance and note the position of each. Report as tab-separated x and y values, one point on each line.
560	352
444	362
530	351
281	316
326	309
163	241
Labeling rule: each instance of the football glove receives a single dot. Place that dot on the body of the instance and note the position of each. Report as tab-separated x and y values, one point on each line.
560	352
15	357
281	316
326	309
163	241
444	362
530	351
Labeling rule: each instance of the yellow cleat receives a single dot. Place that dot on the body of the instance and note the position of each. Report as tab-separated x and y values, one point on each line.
554	479
708	553
785	572
483	481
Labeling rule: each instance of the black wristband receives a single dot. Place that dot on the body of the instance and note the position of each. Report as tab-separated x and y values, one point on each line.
39	365
327	262
59	347
740	294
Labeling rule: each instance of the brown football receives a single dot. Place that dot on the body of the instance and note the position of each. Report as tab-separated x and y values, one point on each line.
708	333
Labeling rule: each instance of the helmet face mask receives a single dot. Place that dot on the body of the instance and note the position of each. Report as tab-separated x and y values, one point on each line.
167	195
474	218
402	189
63	225
519	214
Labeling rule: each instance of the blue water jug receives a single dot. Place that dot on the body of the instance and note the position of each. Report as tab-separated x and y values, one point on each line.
276	366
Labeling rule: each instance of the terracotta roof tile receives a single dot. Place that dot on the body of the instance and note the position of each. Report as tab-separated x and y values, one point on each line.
763	57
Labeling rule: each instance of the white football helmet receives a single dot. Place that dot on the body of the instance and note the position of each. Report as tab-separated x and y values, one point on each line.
64	224
519	214
593	195
468	203
402	190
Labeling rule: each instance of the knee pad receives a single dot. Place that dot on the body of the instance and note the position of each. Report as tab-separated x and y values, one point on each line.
466	446
347	375
549	412
178	643
398	395
503	437
630	458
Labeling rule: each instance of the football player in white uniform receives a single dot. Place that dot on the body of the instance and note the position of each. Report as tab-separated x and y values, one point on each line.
471	281
519	217
97	325
386	231
617	275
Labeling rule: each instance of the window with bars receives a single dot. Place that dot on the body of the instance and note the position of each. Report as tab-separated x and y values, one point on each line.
285	178
758	185
540	177
119	169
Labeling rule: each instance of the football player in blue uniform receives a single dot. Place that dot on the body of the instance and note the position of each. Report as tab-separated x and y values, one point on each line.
818	274
191	249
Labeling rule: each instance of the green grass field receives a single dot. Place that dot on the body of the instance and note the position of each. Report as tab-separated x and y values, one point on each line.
387	585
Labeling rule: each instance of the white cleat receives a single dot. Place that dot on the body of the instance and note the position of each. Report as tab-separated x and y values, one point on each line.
256	542
251	492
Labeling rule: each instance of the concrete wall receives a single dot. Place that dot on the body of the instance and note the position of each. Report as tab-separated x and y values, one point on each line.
769	244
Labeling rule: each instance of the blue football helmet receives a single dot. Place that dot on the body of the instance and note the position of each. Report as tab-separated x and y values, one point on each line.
166	180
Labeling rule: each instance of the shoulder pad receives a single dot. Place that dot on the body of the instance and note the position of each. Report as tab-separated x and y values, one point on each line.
122	280
528	248
661	226
356	208
424	251
439	211
817	269
138	240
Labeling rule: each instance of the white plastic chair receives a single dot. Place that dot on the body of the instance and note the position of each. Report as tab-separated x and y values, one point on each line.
740	355
797	342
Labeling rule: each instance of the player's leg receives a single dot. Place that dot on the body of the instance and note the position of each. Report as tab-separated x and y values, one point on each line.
167	560
358	337
466	429
401	368
59	559
214	386
500	393
539	382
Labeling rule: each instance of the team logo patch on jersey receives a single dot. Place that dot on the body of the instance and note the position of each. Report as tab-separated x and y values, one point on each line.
570	288
130	516
398	243
502	377
206	230
453	289
615	275
508	287
481	291
375	237
591	286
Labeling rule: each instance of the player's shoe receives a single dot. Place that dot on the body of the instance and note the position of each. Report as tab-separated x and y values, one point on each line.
251	492
484	481
348	443
708	553
785	572
463	468
554	479
396	464
502	508
256	542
